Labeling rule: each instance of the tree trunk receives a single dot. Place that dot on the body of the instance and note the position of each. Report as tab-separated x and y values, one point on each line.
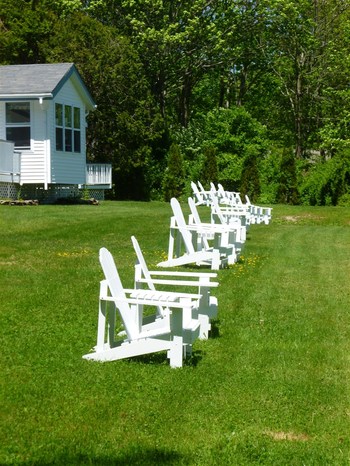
298	117
242	86
185	96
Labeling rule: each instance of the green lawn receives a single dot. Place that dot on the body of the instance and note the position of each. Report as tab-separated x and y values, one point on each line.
270	387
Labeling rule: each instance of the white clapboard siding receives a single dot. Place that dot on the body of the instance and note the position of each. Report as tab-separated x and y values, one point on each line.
2	121
68	167
34	162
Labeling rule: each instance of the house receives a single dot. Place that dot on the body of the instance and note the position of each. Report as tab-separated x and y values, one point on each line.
43	110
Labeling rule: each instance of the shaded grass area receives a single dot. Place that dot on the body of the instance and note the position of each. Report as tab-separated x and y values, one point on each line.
271	385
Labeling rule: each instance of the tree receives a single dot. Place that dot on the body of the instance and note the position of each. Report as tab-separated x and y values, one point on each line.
287	192
173	182
250	181
125	124
299	41
24	28
210	168
178	43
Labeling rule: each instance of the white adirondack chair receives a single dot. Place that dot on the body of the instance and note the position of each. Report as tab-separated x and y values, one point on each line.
174	331
188	244
261	214
231	232
207	305
257	214
200	197
230	198
207	194
226	215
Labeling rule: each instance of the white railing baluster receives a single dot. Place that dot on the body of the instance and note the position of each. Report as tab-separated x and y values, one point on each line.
10	163
99	174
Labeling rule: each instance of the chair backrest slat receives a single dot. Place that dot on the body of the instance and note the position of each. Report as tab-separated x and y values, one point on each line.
181	223
194	211
117	291
142	262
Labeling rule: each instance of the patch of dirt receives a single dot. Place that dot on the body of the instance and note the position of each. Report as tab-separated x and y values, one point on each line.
19	202
291	218
290	436
297	218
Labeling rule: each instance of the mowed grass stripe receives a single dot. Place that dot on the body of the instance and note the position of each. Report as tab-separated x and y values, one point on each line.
271	386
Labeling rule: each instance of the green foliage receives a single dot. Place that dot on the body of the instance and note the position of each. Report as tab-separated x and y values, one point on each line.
328	181
209	171
237	137
126	126
250	182
287	192
344	200
335	134
233	133
269	176
24	29
276	69
173	182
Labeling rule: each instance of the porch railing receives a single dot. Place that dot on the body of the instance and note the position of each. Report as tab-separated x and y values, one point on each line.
99	174
10	163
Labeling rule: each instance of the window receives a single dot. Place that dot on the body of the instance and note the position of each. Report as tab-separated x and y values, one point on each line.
68	134
59	127
18	124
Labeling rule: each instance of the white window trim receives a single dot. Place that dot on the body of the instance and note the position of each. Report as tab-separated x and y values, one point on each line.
72	128
23	125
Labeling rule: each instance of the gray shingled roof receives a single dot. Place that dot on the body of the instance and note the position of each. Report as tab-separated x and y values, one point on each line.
32	79
36	80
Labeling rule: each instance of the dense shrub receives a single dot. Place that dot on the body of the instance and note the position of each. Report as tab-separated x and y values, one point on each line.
234	134
174	178
209	171
287	191
250	180
328	181
269	176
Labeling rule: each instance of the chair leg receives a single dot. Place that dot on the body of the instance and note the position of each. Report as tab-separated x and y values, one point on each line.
204	326
175	353
187	351
215	262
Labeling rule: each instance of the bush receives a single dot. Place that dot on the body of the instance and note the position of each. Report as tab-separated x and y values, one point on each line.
344	200
287	191
328	181
250	181
209	171
234	134
269	176
174	178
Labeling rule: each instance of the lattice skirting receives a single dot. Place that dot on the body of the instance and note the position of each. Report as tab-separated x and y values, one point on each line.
98	194
8	190
54	192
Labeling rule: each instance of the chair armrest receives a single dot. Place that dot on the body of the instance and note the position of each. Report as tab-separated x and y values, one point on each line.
184	274
158	281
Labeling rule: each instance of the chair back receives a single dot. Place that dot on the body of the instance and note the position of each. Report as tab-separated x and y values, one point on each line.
194	212
142	263
181	224
201	187
127	314
213	188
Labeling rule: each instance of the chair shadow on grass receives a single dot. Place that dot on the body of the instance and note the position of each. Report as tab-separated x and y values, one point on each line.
136	456
215	329
161	359
195	358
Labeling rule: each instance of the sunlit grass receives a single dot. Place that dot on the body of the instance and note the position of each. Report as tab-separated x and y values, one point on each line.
271	385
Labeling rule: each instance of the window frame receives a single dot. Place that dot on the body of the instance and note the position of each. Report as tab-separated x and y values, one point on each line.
67	128
19	124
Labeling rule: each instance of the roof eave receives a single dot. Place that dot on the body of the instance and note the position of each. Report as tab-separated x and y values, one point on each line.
18	97
73	72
